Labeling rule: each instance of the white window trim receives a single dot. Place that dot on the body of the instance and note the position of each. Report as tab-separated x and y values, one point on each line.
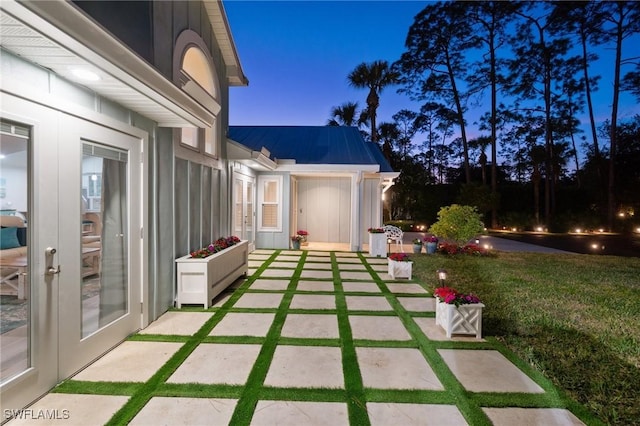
261	181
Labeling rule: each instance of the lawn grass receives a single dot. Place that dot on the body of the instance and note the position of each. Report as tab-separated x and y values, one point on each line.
574	318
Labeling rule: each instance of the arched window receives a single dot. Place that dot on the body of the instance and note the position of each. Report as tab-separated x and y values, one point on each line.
195	73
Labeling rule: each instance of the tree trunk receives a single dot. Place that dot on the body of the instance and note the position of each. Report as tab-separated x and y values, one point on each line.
592	120
614	127
372	102
494	155
460	115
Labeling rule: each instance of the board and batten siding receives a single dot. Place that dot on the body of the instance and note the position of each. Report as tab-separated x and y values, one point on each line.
371	208
324	208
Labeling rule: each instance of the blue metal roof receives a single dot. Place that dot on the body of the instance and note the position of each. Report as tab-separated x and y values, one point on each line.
311	144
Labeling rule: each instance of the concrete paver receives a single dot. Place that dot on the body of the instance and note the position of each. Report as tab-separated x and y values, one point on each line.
386	349
217	363
243	324
306	366
295	413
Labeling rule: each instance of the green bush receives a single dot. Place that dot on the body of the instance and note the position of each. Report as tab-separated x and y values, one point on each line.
457	223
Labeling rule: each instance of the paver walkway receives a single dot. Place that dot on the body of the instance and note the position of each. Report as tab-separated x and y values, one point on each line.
309	338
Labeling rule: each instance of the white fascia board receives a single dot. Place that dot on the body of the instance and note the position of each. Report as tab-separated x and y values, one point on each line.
222	30
328	168
65	24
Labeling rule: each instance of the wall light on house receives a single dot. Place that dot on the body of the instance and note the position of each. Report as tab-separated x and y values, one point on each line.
85	75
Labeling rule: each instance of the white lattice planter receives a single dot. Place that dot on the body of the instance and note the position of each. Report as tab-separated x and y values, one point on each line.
463	319
399	269
202	279
377	244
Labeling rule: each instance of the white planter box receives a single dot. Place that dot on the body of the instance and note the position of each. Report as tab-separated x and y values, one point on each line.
202	279
378	244
399	269
463	319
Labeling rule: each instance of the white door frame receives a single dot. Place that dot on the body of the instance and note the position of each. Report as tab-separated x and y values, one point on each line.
51	119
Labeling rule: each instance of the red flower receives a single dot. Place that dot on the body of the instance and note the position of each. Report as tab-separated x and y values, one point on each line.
452	297
399	257
216	246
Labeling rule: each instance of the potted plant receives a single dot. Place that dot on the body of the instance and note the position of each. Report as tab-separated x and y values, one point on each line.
295	241
417	245
304	234
399	265
458	313
431	244
377	242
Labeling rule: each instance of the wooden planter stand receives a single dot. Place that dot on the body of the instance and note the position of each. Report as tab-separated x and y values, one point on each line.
202	279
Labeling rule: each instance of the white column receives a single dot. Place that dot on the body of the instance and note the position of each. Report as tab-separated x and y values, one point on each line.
356	210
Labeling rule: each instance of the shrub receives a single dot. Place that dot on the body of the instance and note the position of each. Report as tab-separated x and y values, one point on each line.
458	223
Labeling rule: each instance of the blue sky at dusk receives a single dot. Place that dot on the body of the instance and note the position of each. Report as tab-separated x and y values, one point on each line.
297	55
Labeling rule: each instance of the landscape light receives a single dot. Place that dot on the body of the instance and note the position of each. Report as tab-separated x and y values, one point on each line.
578	230
442	276
539	229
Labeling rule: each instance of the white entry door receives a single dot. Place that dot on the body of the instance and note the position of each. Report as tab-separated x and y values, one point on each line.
244	214
81	185
324	208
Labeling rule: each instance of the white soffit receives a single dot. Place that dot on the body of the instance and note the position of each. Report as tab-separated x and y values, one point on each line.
58	36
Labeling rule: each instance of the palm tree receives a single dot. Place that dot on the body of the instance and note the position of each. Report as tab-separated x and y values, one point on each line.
345	115
374	76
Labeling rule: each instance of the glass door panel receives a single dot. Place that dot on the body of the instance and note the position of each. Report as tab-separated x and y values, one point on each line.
104	259
15	300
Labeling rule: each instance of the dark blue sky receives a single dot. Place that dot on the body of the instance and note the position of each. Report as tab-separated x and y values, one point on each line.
297	55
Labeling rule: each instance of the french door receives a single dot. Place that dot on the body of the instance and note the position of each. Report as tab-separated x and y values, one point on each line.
243	205
78	187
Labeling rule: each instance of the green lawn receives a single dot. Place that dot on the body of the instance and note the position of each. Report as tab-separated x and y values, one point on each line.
575	318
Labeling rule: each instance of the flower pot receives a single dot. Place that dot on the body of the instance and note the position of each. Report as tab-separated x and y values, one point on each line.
295	244
431	247
399	269
417	248
463	319
378	244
